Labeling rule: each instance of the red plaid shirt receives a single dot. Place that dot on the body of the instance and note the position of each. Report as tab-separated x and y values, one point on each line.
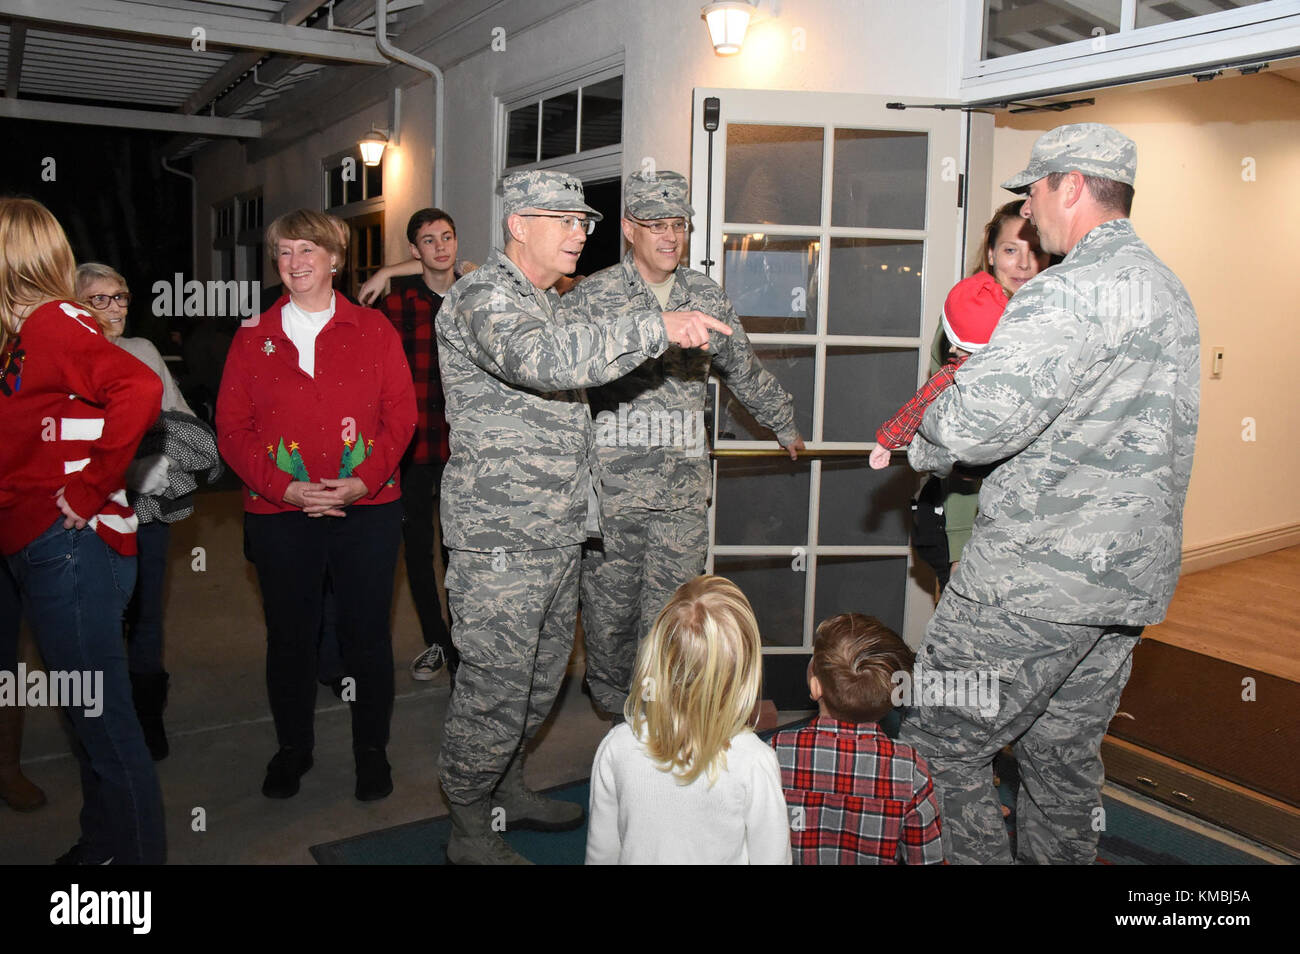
411	306
899	430
856	797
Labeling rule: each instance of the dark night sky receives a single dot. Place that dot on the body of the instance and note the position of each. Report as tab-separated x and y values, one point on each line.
113	198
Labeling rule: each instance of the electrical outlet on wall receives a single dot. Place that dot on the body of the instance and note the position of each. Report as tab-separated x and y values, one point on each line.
1216	362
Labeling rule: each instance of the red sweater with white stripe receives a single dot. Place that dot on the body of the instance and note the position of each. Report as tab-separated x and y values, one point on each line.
73	408
353	418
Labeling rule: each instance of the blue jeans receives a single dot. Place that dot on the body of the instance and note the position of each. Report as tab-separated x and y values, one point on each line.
75	588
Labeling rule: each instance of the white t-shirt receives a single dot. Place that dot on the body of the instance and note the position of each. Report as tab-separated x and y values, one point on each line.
302	327
642	815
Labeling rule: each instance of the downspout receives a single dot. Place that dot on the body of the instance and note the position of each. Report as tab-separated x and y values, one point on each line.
401	56
194	214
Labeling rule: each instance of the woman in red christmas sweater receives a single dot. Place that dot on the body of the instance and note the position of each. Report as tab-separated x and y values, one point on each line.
73	407
315	411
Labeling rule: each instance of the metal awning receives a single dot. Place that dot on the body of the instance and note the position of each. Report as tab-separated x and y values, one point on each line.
206	68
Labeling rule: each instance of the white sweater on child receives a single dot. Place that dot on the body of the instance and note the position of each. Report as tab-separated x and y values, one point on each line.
641	814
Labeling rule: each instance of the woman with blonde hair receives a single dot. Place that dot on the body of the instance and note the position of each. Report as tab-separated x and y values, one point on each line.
684	780
315	411
72	410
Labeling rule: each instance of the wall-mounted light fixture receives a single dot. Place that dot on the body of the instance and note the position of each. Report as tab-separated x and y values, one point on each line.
372	147
727	21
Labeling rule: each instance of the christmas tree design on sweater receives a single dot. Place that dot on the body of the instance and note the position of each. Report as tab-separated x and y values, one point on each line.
354	452
289	459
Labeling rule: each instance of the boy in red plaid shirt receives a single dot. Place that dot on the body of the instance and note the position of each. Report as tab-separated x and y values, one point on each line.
970	313
855	796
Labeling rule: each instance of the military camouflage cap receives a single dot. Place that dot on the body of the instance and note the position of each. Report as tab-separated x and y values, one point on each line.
540	189
1090	148
656	195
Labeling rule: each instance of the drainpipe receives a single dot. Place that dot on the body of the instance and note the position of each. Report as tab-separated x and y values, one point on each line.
401	56
194	214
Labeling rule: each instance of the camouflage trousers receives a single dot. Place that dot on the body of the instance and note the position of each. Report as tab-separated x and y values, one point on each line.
513	619
1058	686
644	557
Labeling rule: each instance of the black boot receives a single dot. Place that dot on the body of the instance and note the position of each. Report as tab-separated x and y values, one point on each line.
149	694
374	775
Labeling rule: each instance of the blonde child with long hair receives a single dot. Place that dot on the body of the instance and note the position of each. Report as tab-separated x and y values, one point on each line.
684	780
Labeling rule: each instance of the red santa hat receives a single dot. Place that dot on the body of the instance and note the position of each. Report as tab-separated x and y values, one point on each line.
972	309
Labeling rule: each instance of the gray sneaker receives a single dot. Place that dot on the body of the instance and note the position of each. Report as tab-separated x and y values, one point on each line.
428	664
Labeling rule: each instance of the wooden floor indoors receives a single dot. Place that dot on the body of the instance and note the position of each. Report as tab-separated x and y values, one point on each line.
1244	612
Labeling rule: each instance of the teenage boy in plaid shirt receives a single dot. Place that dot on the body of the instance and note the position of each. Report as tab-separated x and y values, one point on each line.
970	313
855	796
411	307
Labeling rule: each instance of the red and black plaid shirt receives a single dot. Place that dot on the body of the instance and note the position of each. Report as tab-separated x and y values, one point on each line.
411	306
899	430
856	797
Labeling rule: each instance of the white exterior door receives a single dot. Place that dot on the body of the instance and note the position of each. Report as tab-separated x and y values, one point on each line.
834	230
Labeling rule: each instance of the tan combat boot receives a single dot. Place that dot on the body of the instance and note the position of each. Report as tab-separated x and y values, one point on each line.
529	810
475	840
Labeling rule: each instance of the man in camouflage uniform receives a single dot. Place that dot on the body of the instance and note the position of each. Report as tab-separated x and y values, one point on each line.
1090	387
654	469
517	496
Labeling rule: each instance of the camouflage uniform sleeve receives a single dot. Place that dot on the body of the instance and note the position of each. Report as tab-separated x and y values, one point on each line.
1009	391
529	351
754	386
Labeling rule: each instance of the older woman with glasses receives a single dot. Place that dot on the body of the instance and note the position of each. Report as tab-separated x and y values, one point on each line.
160	489
315	411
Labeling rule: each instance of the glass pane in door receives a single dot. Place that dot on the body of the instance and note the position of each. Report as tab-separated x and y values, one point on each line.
771	281
861	507
762	502
864	387
775	590
879	179
774	174
875	287
860	584
794	368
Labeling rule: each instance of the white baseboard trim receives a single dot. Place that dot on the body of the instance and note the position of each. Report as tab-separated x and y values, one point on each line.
1207	555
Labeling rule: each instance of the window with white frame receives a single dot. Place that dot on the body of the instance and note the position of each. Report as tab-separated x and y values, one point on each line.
1018	26
347	180
1026	47
564	123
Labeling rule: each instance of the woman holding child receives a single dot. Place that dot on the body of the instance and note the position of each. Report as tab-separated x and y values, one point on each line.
1009	257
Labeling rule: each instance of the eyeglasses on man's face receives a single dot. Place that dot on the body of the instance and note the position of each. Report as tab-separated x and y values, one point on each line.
660	226
102	301
567	222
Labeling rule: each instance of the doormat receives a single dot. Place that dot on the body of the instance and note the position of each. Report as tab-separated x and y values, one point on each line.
1133	836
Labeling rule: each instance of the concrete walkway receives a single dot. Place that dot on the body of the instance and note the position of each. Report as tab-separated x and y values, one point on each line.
221	735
